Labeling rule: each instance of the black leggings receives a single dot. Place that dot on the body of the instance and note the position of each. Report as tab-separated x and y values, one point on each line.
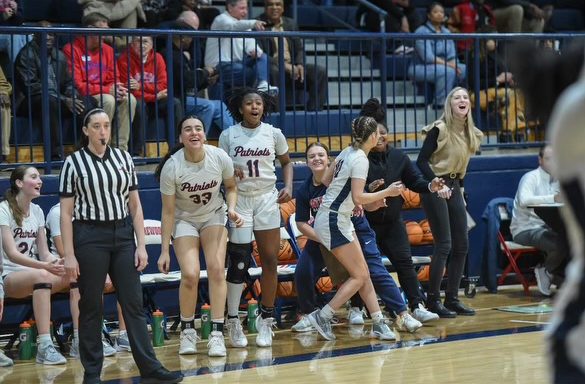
448	221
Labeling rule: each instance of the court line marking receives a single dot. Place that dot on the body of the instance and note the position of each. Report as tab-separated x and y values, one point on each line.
328	353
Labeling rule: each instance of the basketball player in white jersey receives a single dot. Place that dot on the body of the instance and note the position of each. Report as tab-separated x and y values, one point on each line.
254	146
194	213
346	179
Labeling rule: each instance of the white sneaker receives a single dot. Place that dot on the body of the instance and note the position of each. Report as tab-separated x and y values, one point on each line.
5	361
50	356
216	345
236	333
74	350
355	316
108	349
123	344
382	331
188	342
270	89
303	325
407	323
543	280
264	327
423	315
322	326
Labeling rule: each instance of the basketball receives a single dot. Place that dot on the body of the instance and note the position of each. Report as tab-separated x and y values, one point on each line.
286	289
255	253
427	233
324	284
285	253
287	209
424	273
411	199
414	231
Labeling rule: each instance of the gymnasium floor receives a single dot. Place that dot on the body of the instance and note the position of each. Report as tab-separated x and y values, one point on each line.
493	346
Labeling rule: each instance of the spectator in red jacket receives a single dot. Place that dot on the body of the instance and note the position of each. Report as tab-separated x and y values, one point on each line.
144	72
95	74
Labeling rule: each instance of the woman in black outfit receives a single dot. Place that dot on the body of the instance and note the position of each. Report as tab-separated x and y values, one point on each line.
387	165
99	189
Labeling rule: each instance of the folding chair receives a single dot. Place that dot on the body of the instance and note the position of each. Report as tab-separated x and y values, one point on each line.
513	252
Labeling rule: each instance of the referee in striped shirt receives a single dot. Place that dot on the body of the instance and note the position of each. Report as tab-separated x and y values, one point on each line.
99	189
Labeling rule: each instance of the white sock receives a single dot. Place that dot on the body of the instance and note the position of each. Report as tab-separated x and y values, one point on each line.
76	334
234	294
186	319
45	340
377	316
122	333
327	312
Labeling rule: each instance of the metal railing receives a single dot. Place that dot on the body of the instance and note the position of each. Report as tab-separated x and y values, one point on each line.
357	66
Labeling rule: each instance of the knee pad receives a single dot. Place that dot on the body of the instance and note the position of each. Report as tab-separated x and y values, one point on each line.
42	286
239	257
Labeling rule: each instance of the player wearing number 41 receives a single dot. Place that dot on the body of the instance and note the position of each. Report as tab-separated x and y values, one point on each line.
254	146
23	228
194	213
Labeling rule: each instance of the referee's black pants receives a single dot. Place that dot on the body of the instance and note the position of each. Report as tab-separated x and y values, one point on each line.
101	249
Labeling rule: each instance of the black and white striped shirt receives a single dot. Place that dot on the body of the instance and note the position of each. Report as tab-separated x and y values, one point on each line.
100	186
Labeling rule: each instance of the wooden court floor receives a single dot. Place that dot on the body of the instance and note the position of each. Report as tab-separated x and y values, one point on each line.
493	346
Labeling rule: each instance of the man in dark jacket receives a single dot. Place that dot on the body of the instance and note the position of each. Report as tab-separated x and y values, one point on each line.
299	75
64	100
188	79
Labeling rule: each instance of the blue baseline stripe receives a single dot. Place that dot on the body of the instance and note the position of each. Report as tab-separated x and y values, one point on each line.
350	351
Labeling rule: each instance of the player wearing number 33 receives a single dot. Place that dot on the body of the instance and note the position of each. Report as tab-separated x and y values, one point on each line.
194	213
254	146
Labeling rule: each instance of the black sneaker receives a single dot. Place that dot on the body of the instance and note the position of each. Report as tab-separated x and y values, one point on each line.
457	306
162	376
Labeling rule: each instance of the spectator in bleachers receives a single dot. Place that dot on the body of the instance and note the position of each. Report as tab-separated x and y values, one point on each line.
64	98
22	224
298	73
189	80
240	61
468	17
155	12
11	16
496	85
120	13
402	16
436	59
95	74
205	12
145	73
515	16
5	115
